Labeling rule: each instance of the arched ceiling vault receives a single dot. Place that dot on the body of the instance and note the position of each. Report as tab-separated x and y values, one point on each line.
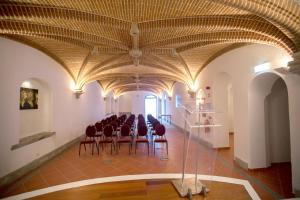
148	44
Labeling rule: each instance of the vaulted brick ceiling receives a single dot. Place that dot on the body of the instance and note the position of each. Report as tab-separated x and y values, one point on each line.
130	45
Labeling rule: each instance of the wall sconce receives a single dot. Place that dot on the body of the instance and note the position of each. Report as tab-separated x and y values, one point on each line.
170	98
104	98
192	94
115	98
78	92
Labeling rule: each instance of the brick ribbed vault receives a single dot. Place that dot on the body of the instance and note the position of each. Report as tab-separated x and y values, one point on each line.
176	39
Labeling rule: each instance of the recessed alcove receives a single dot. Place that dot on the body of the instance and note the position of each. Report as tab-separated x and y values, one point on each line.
36	124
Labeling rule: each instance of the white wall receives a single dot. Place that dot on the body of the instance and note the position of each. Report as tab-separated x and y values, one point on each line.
230	109
279	127
34	121
133	102
293	83
70	115
125	102
177	113
239	65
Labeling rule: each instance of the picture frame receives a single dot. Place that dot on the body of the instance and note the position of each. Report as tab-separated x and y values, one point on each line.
28	98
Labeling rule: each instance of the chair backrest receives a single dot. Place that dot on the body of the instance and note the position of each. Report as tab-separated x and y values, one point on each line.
108	131
98	126
142	130
155	124
125	130
160	129
90	131
114	125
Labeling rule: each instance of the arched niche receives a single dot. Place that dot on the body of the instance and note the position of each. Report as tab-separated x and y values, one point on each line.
39	120
269	125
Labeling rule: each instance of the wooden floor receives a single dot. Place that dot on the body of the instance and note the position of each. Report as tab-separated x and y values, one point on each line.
144	190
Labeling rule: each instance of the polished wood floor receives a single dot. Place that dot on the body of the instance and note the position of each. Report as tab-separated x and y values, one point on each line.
270	183
143	190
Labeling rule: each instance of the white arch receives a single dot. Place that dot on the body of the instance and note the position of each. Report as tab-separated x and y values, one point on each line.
260	88
41	119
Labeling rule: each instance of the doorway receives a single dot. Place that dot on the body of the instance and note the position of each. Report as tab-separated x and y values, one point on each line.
277	124
151	105
269	121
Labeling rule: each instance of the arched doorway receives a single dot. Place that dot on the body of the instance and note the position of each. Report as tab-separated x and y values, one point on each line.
151	105
269	121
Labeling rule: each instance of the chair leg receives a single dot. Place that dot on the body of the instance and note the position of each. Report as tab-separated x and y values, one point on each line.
84	147
111	148
117	149
167	148
93	148
79	148
148	148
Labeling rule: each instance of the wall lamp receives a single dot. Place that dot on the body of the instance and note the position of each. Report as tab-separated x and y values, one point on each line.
192	94
78	92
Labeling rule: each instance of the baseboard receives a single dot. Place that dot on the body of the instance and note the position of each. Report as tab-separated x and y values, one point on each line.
222	148
17	174
241	163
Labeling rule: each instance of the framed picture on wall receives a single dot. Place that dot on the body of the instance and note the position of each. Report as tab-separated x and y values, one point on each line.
28	98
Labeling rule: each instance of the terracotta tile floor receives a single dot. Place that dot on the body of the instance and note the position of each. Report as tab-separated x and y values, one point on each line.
270	183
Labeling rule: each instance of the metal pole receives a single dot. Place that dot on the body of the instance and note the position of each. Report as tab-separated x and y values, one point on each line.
184	147
197	150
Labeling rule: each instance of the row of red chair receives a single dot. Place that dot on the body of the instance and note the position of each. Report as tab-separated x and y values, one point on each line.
117	130
102	132
157	132
142	133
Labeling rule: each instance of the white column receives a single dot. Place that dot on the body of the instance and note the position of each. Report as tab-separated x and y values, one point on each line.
293	83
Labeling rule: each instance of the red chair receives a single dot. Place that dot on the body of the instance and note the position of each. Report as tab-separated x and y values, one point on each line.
142	136
125	136
108	137
114	125
99	129
89	139
160	131
152	130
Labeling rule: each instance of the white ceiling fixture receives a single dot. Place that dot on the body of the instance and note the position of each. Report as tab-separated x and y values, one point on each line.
137	81
135	52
